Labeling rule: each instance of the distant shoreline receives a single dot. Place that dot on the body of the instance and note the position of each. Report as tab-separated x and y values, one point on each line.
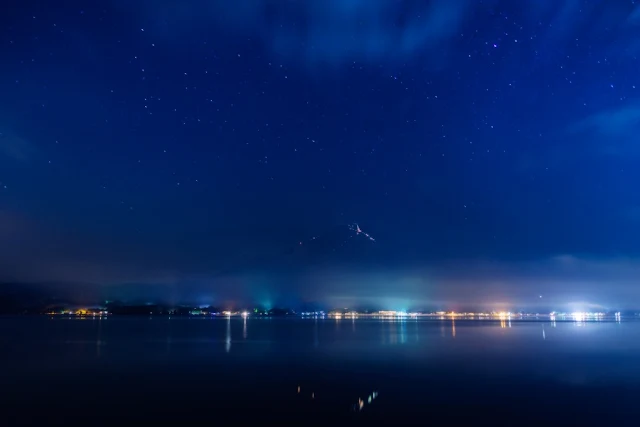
561	317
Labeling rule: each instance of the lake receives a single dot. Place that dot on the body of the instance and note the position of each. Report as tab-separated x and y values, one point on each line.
118	369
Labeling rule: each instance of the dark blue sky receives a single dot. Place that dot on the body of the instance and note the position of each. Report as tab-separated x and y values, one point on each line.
222	150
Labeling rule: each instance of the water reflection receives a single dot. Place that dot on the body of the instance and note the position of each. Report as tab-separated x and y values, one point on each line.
244	327
279	367
403	331
393	335
227	342
360	405
169	340
313	393
316	342
393	331
361	402
367	337
99	340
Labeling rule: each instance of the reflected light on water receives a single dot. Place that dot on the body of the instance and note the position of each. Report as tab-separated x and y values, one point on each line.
244	328
227	341
393	335
505	319
99	340
362	402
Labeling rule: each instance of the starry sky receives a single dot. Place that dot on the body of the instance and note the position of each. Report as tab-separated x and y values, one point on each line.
216	150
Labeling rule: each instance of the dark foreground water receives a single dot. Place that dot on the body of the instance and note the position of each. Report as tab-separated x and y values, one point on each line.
237	371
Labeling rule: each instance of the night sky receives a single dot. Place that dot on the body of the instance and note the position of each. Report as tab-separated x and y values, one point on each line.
225	150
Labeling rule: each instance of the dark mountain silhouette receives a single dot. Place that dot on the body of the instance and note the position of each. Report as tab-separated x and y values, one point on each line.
18	298
336	245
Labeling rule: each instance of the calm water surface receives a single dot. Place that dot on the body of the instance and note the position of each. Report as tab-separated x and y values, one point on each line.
119	369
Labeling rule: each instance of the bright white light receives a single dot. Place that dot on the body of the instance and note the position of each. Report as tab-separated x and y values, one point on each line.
245	314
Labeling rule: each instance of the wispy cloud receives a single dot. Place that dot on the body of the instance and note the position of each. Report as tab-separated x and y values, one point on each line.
634	18
341	31
554	281
14	147
615	122
11	225
613	131
320	31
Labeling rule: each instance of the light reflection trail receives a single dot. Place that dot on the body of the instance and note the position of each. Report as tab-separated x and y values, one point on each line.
362	402
227	341
244	327
316	342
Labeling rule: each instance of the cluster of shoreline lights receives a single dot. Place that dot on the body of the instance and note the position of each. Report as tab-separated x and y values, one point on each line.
84	312
581	316
578	316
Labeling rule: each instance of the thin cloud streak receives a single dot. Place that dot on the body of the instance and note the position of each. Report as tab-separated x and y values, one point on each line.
15	148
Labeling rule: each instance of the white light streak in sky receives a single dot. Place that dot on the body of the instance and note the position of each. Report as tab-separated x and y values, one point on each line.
356	228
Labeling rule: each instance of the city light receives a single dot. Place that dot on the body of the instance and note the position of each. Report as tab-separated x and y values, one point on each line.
577	316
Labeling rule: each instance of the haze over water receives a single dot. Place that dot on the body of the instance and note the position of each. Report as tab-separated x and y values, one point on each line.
114	369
